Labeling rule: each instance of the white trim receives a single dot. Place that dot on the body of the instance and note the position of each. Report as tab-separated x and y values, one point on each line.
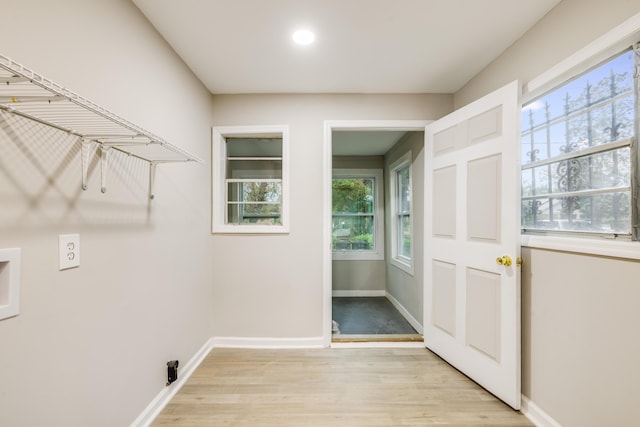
153	409
405	313
378	214
536	415
358	293
618	38
218	176
586	245
250	342
406	266
373	125
327	253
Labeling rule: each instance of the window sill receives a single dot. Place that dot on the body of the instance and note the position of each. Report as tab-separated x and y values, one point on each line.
357	256
586	246
250	229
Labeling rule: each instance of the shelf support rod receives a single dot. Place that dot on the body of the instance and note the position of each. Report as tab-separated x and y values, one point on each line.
152	179
84	154
104	151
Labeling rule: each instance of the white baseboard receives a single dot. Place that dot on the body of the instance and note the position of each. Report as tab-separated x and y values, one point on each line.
536	415
156	406
243	342
405	313
359	293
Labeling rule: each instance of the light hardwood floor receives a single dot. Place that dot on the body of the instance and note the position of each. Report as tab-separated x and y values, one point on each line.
345	387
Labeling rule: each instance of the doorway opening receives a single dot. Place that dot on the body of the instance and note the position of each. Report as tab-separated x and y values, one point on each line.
373	228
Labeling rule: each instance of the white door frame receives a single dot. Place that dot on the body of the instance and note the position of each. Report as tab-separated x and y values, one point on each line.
329	127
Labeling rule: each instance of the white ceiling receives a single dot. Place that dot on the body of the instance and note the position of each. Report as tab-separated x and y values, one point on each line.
362	46
364	142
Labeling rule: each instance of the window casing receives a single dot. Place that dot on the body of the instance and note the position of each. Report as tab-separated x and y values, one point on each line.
402	213
250	179
357	214
577	154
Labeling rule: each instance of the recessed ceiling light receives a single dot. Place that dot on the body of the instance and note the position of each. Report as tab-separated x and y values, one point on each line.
303	37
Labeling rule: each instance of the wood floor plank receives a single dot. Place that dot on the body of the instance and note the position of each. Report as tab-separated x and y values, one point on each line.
332	387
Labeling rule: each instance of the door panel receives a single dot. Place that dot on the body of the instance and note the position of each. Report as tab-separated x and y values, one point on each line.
483	198
485	125
444	296
444	141
472	304
444	194
483	312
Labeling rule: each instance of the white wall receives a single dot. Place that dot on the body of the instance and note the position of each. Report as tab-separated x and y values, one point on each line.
580	313
569	26
281	295
407	288
90	345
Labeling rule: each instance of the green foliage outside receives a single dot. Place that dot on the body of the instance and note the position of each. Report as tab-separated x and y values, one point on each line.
353	197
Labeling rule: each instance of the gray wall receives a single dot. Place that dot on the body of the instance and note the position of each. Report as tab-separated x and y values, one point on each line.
407	289
90	345
358	275
282	294
580	313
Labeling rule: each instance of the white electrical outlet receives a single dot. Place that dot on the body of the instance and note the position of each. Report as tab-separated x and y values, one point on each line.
69	250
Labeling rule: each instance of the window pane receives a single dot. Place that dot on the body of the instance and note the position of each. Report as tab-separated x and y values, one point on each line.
268	169
610	169
254	147
254	192
353	232
404	237
527	183
601	213
404	190
249	213
353	195
591	110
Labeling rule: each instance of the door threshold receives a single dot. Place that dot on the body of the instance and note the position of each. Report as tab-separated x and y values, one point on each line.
342	338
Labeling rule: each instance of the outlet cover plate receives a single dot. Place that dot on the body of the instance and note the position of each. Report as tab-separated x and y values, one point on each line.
69	251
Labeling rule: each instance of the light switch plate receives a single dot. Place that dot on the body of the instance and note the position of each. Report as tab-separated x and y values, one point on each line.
69	250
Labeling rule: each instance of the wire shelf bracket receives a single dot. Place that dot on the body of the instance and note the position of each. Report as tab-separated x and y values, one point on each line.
29	95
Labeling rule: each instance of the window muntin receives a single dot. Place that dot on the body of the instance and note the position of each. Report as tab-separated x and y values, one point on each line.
576	153
357	219
250	179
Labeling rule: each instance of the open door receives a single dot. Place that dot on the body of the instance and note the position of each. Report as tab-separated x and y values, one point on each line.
472	248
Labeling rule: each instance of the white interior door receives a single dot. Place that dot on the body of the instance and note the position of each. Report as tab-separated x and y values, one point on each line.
472	303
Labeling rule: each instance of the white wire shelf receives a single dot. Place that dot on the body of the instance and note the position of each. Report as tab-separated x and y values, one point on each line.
34	97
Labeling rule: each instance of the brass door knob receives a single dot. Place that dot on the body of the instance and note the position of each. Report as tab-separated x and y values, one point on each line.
504	260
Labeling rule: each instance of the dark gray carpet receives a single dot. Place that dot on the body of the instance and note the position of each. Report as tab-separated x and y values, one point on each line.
369	316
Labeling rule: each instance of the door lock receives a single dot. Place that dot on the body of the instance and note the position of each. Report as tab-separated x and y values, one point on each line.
507	261
504	260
